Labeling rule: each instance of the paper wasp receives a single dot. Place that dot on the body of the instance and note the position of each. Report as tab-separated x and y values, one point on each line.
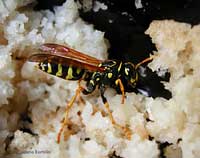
70	64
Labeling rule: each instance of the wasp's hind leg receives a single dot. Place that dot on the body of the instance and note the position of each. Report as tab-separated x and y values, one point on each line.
91	85
126	130
68	107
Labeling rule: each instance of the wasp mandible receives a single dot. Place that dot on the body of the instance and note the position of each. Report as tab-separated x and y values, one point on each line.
70	64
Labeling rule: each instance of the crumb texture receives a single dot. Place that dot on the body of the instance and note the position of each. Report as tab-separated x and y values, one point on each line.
178	53
33	100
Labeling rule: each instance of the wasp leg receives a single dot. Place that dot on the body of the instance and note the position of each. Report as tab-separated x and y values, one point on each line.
118	81
126	130
68	107
91	85
145	60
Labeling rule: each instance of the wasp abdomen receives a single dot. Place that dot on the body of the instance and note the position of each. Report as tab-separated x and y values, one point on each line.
62	71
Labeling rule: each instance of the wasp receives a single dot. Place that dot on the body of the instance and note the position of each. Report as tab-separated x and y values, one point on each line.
69	64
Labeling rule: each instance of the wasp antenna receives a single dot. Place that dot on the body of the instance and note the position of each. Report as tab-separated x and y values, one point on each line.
145	60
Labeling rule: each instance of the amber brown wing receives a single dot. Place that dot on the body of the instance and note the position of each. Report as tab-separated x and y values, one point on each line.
64	51
66	61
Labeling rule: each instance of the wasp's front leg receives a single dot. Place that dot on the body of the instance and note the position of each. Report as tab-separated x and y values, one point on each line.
119	83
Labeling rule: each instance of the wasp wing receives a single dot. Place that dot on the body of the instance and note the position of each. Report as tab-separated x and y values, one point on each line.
65	51
66	61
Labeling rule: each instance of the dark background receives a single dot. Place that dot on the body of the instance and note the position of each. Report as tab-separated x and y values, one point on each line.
126	33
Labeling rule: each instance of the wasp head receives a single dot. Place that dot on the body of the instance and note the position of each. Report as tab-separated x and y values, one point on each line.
130	74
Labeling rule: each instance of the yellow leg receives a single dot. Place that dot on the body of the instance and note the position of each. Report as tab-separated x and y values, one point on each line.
118	81
68	107
145	60
126	130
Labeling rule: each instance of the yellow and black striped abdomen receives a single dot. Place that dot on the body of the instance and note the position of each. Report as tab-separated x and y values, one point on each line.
62	71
